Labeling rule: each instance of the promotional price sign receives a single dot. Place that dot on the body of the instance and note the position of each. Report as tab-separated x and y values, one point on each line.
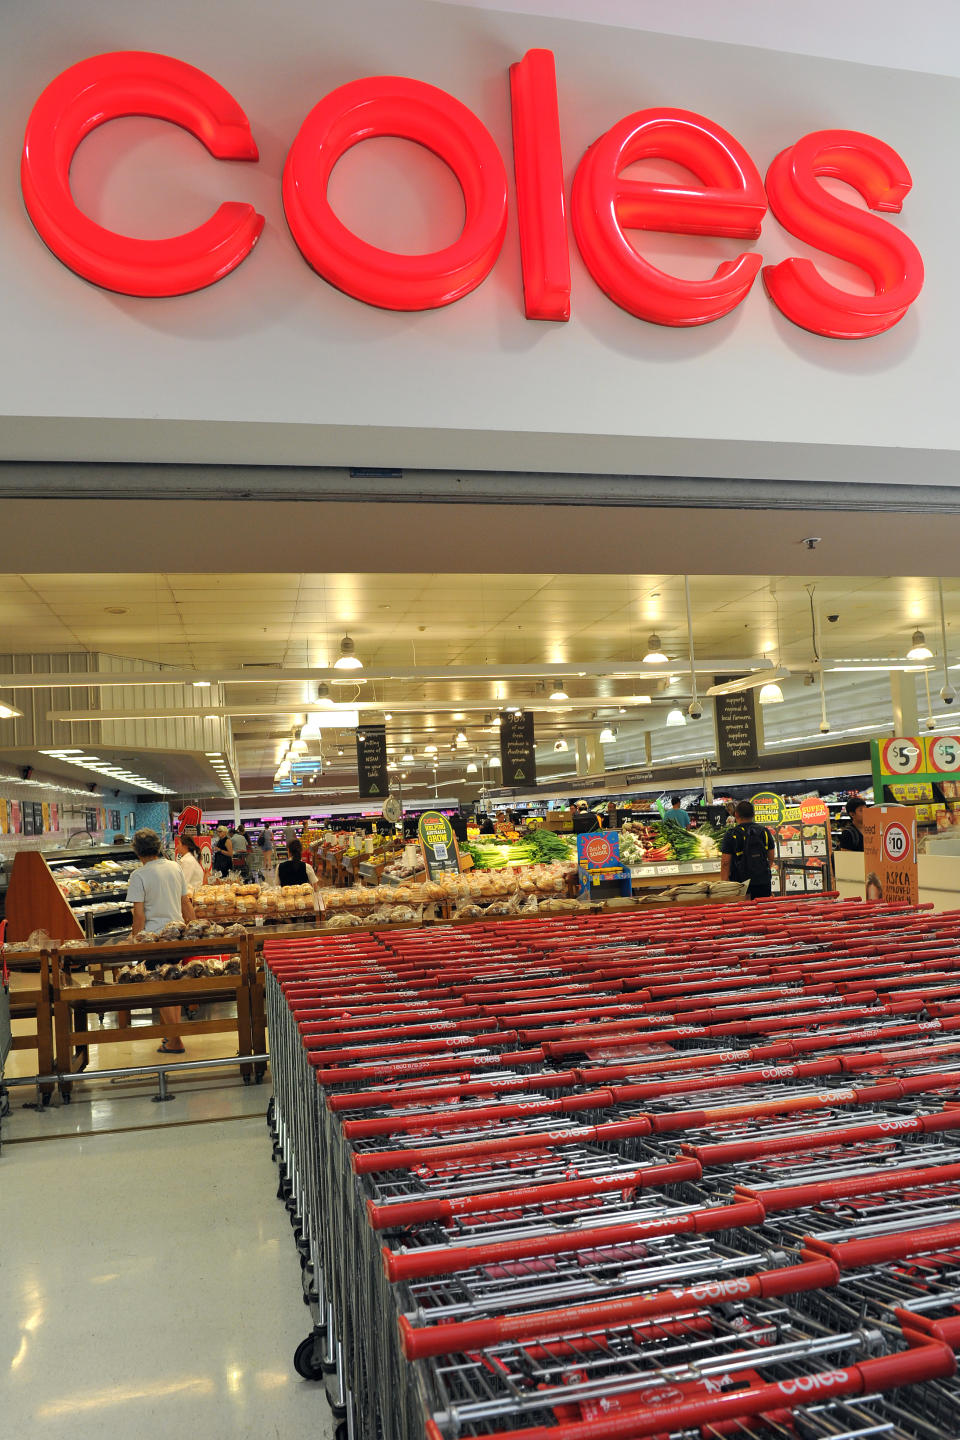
943	754
890	854
903	755
439	844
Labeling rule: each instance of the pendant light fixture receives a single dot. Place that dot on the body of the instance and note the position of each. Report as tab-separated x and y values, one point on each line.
494	762
655	655
607	736
560	746
919	649
824	726
930	720
460	738
558	692
676	717
947	692
694	709
771	694
347	659
471	768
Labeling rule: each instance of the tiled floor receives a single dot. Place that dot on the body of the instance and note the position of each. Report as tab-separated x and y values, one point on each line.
148	1279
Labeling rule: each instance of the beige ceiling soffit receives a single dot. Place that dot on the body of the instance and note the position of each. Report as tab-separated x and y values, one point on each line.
604	669
607	704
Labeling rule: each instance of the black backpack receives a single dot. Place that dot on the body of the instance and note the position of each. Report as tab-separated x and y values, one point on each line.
749	860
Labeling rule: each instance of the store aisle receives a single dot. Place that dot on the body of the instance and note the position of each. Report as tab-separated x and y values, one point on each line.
149	1286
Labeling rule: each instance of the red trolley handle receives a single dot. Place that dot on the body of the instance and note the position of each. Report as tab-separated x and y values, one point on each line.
728	1152
448	1259
444	1065
853	1254
876	1182
565	1321
418	1212
452	1090
460	1117
372	1162
684	1085
887	1372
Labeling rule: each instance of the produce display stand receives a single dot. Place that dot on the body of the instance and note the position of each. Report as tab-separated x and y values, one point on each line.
643	1174
660	876
73	1005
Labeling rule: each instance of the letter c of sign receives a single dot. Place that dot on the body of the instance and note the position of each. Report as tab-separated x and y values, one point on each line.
410	110
108	87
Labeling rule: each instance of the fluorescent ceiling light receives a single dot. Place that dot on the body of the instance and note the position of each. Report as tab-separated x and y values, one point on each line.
676	717
751	682
919	649
770	694
559	694
336	718
201	684
9	712
347	659
655	655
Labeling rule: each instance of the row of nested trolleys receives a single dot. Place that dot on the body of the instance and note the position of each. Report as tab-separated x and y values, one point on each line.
668	1174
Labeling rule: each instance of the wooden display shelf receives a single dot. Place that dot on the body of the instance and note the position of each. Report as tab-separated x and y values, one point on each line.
73	1004
34	1006
34	901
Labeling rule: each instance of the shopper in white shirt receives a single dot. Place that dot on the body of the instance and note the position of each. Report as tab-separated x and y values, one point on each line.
189	860
158	894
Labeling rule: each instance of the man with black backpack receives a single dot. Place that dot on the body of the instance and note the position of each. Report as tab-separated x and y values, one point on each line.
747	852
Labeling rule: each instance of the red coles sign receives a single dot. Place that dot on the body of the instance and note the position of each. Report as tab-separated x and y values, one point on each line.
726	197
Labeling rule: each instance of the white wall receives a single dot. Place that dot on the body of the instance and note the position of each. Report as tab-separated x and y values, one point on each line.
924	35
274	365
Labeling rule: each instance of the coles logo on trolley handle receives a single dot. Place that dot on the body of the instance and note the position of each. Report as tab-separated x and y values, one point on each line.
726	198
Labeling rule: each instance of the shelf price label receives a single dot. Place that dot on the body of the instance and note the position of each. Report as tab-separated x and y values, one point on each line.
943	754
903	755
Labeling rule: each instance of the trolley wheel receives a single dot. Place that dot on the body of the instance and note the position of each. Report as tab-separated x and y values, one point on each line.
340	1433
303	1362
271	1103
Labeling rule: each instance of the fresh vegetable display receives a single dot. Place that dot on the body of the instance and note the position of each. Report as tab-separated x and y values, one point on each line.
538	847
663	840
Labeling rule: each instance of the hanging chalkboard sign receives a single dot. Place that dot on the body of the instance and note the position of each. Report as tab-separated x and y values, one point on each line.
736	718
518	759
372	762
